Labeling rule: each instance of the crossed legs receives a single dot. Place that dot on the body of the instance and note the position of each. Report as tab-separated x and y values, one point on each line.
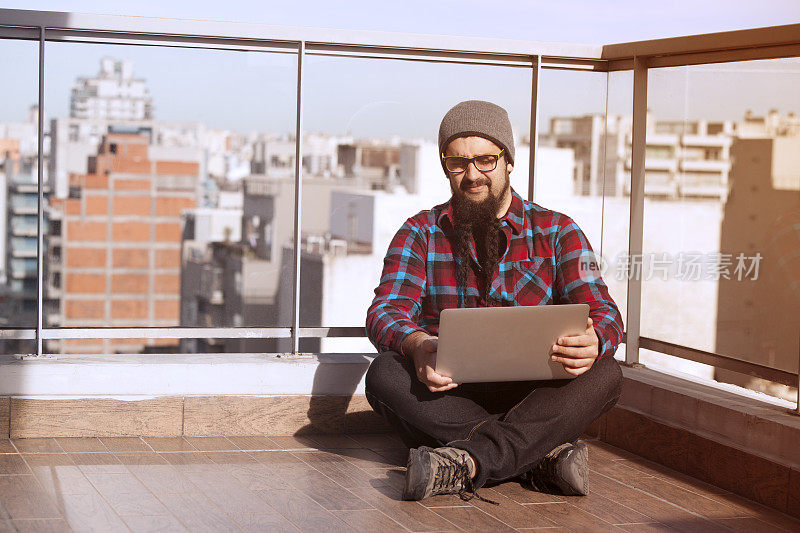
506	427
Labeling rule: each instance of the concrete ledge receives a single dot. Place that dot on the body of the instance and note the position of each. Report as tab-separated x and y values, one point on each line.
156	375
724	413
191	416
191	394
747	443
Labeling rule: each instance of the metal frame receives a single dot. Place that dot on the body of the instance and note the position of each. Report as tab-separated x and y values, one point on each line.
720	361
536	72
44	26
298	188
211	32
636	226
40	202
199	333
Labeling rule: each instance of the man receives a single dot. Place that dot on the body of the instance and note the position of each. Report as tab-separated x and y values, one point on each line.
488	247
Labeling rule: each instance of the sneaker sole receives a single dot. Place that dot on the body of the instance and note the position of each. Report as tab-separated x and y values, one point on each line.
574	471
416	480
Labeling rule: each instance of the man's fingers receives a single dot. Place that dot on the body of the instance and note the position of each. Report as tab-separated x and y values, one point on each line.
574	363
442	389
437	382
437	379
575	340
575	351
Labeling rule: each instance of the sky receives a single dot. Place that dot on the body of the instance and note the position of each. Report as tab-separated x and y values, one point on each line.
249	91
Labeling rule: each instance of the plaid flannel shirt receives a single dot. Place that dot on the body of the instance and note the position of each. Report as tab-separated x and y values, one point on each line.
541	265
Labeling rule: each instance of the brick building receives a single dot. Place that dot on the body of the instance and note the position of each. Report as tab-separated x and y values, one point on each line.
115	245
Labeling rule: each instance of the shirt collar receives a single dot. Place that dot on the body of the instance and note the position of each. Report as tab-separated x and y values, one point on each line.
514	217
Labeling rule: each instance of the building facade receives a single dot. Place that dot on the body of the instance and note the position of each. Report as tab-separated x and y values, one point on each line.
113	94
115	245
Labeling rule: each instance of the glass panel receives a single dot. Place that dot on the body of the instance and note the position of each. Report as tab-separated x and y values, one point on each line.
18	190
580	162
373	162
163	213
616	204
722	213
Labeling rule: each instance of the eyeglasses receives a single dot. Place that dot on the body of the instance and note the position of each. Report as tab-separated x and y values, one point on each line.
484	163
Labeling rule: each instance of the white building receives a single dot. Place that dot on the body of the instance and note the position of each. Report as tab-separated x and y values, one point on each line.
273	155
26	133
211	224
114	94
683	158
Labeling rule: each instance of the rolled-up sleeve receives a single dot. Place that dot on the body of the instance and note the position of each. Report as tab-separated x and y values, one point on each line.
395	310
578	280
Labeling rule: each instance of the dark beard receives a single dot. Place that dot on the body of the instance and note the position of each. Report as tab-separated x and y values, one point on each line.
477	220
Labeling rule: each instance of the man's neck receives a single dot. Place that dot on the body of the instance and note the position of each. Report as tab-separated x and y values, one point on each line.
505	205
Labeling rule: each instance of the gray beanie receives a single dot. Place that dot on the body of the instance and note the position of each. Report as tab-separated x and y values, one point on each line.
480	119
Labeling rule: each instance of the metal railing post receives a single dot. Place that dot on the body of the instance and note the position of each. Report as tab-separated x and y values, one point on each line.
40	203
298	185
636	227
534	136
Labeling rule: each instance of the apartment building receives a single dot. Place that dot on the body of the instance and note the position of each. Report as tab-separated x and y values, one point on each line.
762	216
684	159
115	243
600	148
229	273
19	228
274	155
113	94
773	124
242	277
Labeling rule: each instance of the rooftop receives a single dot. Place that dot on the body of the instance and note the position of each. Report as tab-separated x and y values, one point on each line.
332	483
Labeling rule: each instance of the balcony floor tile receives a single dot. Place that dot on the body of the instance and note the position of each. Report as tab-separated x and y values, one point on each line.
333	482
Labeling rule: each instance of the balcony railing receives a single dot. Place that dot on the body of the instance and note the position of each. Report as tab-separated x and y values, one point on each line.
638	57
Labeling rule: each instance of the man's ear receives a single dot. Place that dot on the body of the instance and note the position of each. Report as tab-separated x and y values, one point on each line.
509	167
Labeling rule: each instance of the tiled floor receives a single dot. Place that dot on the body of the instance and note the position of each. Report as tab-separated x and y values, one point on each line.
329	483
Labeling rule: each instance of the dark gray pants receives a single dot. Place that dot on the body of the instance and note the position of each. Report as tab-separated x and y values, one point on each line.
507	427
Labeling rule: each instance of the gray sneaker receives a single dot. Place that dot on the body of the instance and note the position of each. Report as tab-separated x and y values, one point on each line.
565	469
438	471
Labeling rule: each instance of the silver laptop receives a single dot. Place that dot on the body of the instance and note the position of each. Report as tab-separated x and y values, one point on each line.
505	343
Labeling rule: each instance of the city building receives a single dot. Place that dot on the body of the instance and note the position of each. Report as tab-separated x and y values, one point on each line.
19	199
762	216
273	155
22	134
375	161
773	124
236	278
115	245
75	140
229	273
113	94
684	159
595	142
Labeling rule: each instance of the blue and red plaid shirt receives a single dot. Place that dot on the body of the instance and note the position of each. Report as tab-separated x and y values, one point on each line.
544	263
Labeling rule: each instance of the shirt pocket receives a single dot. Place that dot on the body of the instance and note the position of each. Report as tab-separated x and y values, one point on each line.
530	281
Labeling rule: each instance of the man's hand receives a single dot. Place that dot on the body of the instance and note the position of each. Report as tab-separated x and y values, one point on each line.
577	352
422	349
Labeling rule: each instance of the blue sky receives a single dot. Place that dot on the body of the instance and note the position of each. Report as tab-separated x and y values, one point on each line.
247	91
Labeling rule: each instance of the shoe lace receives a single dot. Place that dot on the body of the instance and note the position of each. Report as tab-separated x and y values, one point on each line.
541	474
453	473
